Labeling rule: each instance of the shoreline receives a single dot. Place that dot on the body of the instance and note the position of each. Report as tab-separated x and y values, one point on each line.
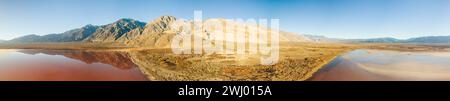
320	66
298	61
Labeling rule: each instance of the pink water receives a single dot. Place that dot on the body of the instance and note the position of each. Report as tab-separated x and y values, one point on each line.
67	65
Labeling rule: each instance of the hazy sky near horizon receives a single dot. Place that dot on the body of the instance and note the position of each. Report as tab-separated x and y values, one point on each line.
331	18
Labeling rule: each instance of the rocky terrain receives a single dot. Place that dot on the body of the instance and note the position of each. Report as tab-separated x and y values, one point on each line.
114	31
154	34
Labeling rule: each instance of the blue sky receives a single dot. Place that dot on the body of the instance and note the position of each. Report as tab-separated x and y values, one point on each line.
332	18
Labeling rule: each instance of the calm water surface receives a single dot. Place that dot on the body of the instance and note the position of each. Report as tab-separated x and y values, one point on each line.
75	65
67	65
382	65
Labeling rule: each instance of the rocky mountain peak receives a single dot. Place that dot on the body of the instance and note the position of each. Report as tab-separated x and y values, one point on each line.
113	31
159	25
128	22
166	19
88	26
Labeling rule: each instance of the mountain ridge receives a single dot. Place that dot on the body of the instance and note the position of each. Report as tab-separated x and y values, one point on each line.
77	34
112	32
155	33
422	39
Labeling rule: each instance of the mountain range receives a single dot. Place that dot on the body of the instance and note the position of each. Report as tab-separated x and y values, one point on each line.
419	40
78	34
156	33
425	39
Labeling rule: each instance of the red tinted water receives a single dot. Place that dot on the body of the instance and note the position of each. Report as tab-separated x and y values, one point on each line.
67	65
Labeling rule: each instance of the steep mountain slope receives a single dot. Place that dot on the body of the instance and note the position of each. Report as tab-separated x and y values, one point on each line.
155	34
158	33
78	34
113	31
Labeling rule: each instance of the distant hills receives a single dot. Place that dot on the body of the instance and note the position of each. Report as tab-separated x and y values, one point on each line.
376	40
426	39
78	34
418	40
318	38
429	39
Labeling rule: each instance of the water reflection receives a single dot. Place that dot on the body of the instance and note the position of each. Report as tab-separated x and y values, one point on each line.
116	59
67	65
387	65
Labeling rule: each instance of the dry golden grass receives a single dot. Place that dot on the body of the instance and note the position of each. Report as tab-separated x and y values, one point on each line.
298	61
